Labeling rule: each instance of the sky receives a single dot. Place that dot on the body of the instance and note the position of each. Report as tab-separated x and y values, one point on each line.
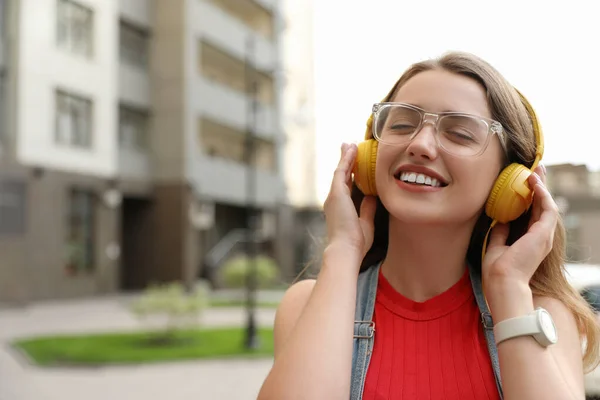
550	52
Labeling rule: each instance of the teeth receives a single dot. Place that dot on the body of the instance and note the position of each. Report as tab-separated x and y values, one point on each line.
420	179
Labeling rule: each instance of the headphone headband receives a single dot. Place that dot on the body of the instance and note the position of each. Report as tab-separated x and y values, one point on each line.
537	131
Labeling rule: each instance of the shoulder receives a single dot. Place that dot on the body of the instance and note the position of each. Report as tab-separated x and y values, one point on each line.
561	314
568	350
289	310
564	319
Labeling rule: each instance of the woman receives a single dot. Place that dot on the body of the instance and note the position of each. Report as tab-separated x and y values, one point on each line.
408	260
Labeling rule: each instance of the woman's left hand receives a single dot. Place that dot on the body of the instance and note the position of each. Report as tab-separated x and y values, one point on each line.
518	262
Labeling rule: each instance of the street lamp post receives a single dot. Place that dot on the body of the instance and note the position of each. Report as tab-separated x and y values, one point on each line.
251	341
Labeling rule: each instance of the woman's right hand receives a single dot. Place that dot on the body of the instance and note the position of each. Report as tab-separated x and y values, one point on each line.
344	225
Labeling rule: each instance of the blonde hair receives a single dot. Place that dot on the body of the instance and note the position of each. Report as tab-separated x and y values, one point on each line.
507	108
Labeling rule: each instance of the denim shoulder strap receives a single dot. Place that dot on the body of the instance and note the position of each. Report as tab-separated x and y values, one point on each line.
364	329
488	324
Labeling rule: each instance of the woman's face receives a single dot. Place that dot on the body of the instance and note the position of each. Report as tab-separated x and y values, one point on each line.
464	181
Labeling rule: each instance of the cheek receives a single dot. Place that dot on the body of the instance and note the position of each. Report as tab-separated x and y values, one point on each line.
479	178
383	163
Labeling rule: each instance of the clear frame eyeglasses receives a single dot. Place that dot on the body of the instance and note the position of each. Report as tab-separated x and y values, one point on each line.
460	134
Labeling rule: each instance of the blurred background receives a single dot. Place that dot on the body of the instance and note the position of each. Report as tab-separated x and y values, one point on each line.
163	165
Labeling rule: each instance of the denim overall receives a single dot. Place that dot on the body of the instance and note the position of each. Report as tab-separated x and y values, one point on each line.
364	328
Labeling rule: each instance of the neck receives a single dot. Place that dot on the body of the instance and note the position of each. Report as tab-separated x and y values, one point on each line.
424	261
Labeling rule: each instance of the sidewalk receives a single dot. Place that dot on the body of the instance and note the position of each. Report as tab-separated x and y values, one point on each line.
178	380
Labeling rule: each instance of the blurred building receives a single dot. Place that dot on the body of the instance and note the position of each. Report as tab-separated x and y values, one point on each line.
576	190
122	139
300	164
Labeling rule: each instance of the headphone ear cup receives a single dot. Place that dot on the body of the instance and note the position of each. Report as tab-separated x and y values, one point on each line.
511	195
364	167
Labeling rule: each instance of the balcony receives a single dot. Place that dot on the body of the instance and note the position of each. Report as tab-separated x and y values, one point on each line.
134	86
230	107
230	34
224	181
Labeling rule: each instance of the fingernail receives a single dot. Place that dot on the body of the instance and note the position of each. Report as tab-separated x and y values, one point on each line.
543	168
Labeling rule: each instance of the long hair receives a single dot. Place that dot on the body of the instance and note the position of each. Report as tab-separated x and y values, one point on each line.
507	108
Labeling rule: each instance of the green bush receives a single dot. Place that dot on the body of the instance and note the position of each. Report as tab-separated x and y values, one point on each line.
235	272
169	309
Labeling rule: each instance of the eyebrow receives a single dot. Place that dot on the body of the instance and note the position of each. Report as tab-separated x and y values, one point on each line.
441	112
446	111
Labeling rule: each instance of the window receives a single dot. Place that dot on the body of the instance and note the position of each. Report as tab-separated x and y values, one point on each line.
133	45
3	105
75	28
3	10
12	207
73	120
133	129
80	232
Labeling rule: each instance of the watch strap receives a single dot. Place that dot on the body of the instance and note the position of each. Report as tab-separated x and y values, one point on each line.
525	325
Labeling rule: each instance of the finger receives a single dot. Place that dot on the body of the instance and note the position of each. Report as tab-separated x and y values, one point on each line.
343	173
347	159
543	229
549	209
540	172
536	207
499	235
367	208
351	152
342	164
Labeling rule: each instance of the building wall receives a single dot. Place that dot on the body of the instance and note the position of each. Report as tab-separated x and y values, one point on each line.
575	190
35	261
150	236
589	236
43	68
167	73
14	275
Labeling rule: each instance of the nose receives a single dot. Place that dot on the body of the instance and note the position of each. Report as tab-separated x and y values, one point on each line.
424	144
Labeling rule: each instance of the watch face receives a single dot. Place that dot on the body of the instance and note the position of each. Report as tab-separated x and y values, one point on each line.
547	325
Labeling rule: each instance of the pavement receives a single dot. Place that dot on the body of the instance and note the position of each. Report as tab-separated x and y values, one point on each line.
197	380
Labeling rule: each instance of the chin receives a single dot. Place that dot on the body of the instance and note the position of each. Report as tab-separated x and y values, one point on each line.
442	212
419	216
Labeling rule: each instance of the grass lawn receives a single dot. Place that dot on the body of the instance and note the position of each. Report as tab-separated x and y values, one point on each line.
128	348
242	303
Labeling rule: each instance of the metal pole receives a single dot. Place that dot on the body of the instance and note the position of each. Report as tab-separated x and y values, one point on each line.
251	341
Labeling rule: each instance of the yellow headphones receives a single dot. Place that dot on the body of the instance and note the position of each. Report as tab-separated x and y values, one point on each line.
510	197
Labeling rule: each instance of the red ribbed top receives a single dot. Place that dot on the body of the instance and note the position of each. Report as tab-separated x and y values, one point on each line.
434	350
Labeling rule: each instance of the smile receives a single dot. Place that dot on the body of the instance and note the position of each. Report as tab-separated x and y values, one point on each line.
418	179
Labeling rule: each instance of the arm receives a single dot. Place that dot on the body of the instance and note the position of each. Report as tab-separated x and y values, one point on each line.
314	324
313	333
528	370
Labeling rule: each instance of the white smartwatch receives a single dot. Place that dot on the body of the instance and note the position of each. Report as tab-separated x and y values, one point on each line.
538	324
